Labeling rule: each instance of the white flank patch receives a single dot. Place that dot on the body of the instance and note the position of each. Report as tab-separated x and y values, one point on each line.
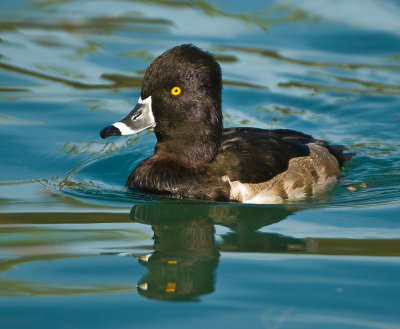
264	198
246	193
305	176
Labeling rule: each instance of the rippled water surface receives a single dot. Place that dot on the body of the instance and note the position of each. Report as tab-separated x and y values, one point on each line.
78	251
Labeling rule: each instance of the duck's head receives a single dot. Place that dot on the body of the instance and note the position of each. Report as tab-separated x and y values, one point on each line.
181	100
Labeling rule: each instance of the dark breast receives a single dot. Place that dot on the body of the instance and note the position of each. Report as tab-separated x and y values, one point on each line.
167	177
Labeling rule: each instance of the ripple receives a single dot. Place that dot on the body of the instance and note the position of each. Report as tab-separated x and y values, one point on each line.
96	148
100	23
119	81
11	121
87	184
375	88
269	53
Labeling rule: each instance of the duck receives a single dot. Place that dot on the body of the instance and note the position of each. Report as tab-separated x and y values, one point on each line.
195	157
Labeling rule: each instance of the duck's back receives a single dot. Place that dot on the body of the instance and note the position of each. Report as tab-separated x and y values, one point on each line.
264	166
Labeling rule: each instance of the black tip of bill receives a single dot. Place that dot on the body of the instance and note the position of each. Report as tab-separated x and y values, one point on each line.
110	131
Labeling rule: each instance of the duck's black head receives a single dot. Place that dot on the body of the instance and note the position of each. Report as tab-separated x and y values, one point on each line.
181	100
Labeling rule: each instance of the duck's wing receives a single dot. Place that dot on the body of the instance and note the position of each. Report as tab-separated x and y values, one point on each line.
338	151
252	155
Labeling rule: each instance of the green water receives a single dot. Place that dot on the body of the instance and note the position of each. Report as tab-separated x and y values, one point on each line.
78	251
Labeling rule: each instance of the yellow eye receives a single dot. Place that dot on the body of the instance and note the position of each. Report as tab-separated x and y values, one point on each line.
176	91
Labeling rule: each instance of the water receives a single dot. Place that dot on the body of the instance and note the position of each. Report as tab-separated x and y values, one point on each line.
78	251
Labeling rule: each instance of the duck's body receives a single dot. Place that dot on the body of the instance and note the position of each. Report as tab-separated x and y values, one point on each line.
196	158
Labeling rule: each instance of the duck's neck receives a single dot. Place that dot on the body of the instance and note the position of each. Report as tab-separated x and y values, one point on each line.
195	150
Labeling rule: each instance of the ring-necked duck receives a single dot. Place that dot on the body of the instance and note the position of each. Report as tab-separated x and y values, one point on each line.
195	157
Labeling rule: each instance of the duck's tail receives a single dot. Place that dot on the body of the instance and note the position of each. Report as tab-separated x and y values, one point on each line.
340	155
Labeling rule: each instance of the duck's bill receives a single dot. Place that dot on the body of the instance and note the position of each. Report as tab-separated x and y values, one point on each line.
140	118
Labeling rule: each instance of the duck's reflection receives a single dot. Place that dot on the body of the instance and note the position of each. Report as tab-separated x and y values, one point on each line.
244	223
185	258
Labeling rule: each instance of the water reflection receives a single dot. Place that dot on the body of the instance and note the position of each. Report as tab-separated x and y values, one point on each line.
185	258
181	262
186	254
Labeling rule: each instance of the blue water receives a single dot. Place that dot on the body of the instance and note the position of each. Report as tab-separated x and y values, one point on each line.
78	251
